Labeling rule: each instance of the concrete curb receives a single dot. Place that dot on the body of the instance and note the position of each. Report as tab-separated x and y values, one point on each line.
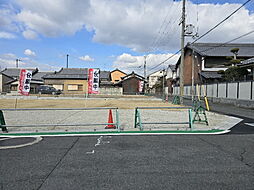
116	133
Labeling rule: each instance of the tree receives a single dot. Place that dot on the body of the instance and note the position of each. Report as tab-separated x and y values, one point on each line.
234	51
233	73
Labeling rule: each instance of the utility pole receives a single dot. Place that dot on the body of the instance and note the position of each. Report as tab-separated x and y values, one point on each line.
17	63
163	85
182	55
145	56
67	61
192	75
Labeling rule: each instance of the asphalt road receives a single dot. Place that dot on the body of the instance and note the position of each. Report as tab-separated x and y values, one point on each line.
135	162
131	162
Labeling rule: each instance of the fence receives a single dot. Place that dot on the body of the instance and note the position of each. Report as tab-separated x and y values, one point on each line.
227	90
138	123
111	91
57	117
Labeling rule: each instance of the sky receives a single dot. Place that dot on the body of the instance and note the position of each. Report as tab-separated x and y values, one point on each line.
110	34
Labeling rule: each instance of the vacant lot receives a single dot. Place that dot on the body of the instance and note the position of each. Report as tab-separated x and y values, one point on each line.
122	103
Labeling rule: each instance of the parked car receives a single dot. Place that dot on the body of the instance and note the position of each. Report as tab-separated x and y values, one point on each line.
44	89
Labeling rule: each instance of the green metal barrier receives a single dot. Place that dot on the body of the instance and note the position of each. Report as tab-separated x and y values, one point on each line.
4	126
176	100
199	112
139	124
2	122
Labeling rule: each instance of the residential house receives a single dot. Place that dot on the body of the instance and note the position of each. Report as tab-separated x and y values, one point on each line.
170	79
249	64
208	59
116	75
74	80
153	78
132	84
3	80
9	80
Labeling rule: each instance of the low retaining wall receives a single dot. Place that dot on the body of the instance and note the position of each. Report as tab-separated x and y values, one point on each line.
236	102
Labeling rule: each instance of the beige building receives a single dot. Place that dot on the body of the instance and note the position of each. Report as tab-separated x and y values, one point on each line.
116	75
73	80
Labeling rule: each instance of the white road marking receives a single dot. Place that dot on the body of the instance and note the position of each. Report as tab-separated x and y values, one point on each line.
5	138
98	141
37	139
93	151
250	124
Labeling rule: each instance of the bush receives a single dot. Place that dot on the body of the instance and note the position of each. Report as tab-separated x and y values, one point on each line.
235	73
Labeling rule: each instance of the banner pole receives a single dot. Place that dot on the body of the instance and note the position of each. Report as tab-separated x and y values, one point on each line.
16	102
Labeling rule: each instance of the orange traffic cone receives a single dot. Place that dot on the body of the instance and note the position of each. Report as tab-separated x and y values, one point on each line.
110	120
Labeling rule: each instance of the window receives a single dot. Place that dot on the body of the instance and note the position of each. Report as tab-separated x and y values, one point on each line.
75	87
14	87
80	87
58	86
72	87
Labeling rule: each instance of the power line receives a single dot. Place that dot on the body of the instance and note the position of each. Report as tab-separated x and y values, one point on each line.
220	45
228	42
209	32
164	26
165	60
221	21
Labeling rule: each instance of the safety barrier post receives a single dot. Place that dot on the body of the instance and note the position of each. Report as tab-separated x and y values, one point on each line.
2	122
190	119
117	120
199	110
176	100
138	122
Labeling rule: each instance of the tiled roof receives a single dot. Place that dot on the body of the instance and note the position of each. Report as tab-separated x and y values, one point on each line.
247	62
210	75
75	73
39	75
15	72
220	49
133	75
119	71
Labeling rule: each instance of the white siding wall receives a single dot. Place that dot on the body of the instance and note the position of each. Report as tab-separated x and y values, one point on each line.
244	90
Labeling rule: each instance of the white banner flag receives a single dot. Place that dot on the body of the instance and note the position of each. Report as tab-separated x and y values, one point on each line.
93	81
25	78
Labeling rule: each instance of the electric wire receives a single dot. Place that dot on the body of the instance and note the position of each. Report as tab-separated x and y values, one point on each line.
209	32
221	21
228	42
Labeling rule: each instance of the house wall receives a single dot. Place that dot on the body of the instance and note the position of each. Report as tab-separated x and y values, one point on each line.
116	76
130	86
3	86
1	83
153	78
188	68
65	84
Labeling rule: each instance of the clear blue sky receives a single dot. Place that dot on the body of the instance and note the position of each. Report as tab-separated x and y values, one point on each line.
107	34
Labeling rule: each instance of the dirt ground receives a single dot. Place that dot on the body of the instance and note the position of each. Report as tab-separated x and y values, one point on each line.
81	103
